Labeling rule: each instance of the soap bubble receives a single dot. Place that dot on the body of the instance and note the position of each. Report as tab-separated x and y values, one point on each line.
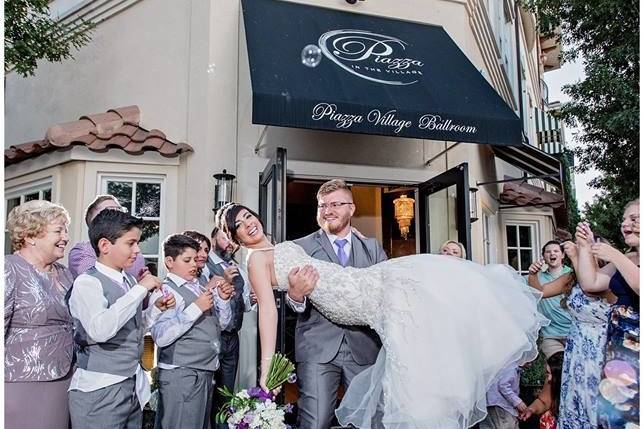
311	55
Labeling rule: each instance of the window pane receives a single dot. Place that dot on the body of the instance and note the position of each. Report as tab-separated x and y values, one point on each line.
7	243
32	196
46	194
11	203
149	243
526	259
511	233
152	264
513	260
148	199
442	217
525	236
123	192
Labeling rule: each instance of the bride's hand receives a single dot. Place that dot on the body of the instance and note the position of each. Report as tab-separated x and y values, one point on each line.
262	383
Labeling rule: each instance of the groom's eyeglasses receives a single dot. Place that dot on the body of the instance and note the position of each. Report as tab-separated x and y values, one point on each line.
333	205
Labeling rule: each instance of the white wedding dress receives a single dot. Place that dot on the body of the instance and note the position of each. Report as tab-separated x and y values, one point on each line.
447	326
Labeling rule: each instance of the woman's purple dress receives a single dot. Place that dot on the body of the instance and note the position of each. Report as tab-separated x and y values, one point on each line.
38	345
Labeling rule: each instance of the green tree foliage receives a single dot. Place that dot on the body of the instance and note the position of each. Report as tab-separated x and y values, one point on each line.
30	34
605	34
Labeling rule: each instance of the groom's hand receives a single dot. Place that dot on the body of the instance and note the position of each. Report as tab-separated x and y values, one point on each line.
301	282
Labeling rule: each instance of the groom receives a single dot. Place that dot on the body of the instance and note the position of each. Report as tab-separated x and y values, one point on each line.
328	354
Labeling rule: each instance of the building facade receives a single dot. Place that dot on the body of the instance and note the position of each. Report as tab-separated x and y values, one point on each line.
184	68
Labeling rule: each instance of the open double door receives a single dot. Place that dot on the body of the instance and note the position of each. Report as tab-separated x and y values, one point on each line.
443	212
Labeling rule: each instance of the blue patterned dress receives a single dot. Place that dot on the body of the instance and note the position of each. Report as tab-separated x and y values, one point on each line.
619	387
583	361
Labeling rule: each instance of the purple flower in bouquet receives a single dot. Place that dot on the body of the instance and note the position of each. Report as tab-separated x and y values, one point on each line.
259	393
241	425
292	378
288	408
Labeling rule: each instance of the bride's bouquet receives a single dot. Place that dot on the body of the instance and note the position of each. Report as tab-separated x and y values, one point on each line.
254	407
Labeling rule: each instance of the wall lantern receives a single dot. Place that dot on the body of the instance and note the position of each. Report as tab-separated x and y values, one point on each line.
223	189
474	207
404	213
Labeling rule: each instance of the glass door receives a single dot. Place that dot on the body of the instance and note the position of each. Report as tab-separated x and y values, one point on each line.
444	210
272	210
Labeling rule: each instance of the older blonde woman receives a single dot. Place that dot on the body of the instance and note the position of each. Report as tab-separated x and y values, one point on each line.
37	324
453	248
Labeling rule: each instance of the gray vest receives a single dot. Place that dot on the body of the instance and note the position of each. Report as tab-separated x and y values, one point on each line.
199	346
317	339
236	302
120	354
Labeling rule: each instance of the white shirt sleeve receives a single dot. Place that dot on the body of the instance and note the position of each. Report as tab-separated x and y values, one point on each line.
222	306
175	322
298	307
89	306
151	314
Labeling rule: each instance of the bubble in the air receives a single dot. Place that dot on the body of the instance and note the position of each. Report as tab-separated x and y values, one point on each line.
211	68
311	55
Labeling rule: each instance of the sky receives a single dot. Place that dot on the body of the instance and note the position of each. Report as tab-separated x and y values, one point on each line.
556	79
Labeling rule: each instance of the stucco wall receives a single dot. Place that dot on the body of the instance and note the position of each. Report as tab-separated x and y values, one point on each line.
139	56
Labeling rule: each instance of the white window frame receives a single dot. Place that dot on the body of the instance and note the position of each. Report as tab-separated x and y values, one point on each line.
21	191
534	227
141	178
28	188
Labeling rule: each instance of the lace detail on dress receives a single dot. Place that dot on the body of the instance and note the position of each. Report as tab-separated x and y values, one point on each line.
448	326
343	294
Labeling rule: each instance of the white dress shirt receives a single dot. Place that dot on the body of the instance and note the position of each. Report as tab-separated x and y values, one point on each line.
175	322
217	260
300	307
101	322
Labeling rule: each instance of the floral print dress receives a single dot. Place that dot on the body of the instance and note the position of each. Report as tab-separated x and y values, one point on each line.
583	361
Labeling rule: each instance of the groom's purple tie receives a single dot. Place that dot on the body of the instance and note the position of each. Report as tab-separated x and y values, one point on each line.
342	255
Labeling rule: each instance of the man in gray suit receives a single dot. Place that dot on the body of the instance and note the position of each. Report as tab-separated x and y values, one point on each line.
328	354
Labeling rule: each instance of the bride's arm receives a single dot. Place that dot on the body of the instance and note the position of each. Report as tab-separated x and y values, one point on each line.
259	272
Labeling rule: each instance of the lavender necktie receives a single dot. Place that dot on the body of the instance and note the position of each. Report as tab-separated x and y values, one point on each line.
342	255
195	287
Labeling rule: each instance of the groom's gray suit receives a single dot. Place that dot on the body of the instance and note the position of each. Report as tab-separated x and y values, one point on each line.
329	354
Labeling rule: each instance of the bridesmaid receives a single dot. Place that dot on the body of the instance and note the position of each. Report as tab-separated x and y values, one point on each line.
37	324
584	352
619	387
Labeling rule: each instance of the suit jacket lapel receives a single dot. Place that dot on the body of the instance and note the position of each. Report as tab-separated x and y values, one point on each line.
358	256
326	245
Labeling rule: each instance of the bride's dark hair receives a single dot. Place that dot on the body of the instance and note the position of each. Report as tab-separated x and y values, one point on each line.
225	219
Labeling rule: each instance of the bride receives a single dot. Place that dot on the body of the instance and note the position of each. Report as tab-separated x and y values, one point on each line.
447	326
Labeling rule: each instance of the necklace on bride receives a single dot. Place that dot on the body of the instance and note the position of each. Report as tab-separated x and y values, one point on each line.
260	248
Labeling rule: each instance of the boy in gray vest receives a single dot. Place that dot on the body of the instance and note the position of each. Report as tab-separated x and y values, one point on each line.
109	387
188	338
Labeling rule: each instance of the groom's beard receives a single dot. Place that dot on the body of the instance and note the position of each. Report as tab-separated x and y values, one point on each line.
334	226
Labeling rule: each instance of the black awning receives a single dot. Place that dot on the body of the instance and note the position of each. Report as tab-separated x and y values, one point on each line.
532	160
376	76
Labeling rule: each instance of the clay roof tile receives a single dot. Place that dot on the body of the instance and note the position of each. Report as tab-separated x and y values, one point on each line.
117	128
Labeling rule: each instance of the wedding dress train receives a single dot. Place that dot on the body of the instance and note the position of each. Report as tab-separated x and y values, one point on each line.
447	325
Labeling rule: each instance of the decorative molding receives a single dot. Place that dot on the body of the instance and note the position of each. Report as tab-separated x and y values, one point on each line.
80	153
94	11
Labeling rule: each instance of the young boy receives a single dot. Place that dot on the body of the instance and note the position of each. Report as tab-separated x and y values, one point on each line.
503	402
109	388
188	338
